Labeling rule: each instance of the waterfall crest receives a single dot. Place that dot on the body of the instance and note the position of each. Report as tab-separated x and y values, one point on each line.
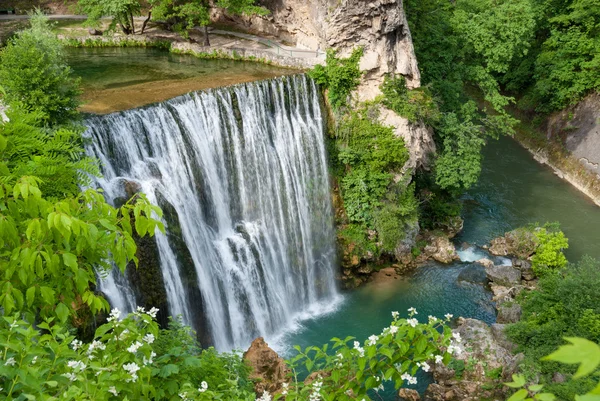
241	174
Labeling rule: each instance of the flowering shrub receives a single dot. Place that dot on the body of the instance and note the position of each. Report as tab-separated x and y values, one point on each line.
357	368
119	364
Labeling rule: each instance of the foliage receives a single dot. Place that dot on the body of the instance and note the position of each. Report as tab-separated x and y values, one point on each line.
35	75
568	65
580	352
549	257
55	156
121	13
564	304
399	210
371	153
186	14
122	362
347	369
416	105
339	75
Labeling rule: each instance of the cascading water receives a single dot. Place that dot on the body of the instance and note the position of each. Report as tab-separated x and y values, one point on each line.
243	171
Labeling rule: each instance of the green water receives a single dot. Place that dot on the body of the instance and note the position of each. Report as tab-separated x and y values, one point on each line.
514	190
122	78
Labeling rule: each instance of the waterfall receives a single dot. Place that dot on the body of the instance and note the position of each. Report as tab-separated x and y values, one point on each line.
241	173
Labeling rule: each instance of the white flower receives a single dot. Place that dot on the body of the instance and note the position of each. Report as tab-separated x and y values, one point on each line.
203	387
413	311
134	347
149	338
456	336
454	349
152	312
115	314
71	376
412	322
432	319
424	365
10	362
409	379
34	360
284	388
448	316
265	397
76	344
361	350
76	365
395	315
140	309
439	359
95	345
132	369
372	340
123	334
183	396
393	329
113	391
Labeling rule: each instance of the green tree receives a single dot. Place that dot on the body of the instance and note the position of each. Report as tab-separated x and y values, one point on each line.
187	14
121	12
35	75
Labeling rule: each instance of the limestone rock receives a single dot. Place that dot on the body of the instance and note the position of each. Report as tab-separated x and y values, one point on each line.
509	312
504	275
499	333
485	262
268	370
441	249
526	269
408	394
521	243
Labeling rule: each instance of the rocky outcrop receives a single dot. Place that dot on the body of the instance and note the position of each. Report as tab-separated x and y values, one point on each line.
521	243
485	362
379	26
503	275
440	248
269	370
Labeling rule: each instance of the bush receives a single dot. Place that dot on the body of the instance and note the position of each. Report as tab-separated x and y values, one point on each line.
416	105
34	74
564	304
339	76
549	257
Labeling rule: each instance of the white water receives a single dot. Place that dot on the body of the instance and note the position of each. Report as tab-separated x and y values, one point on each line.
472	254
245	170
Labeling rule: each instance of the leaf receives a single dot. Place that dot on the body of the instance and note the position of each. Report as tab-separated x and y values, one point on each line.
587	397
30	295
70	260
545	397
536	387
519	395
581	351
518	381
62	312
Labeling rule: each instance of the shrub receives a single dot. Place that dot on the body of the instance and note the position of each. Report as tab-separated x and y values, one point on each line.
549	257
416	105
34	74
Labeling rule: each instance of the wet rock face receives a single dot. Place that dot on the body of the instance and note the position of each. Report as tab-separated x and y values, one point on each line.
269	370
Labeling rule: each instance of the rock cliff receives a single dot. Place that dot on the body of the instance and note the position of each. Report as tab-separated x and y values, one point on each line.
379	26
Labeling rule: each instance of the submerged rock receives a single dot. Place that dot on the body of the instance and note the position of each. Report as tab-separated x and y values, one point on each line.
473	274
269	370
503	275
485	262
408	394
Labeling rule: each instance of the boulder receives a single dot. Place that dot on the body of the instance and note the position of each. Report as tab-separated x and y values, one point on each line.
269	371
526	269
521	243
558	378
408	394
509	312
499	333
441	249
473	274
485	262
504	275
94	32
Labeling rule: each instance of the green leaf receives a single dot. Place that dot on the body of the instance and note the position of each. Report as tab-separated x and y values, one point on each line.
30	295
545	397
587	397
518	381
519	395
70	260
581	351
536	387
62	312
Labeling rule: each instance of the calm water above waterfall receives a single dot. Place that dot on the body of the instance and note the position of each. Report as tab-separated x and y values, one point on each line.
242	176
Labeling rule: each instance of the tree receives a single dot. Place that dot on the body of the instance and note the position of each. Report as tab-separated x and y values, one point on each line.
121	13
35	75
186	14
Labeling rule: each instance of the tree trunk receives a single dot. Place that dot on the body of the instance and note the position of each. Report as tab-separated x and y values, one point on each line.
206	40
146	21
132	23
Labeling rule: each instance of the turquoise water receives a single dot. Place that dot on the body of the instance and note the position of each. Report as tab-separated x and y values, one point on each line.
514	190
